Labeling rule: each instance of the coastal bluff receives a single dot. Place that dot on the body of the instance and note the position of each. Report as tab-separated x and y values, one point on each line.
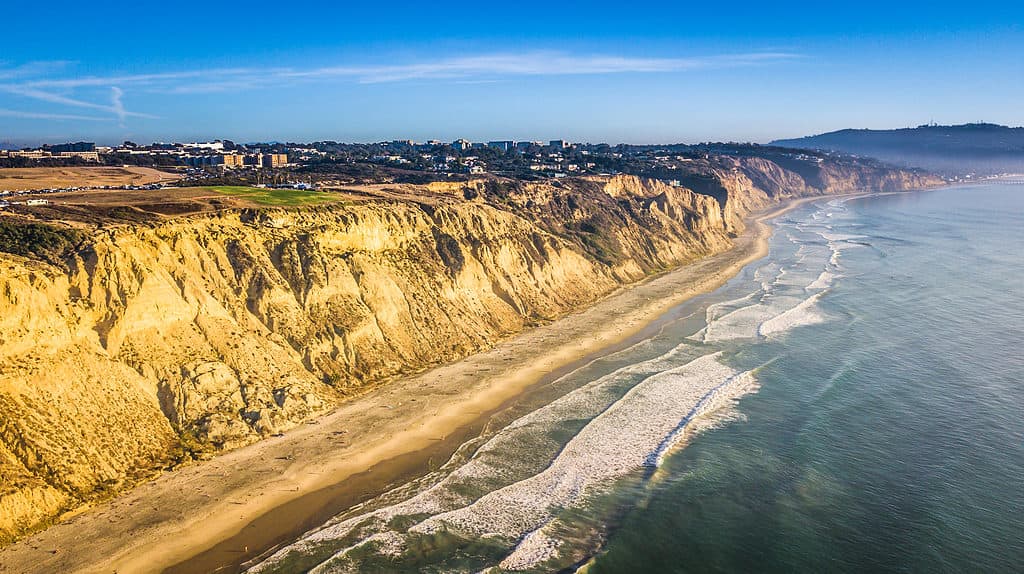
131	347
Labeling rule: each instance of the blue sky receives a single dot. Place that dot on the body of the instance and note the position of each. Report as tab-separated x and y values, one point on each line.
597	71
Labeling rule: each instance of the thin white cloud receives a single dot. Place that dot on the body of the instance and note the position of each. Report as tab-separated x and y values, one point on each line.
216	86
140	79
533	64
53	98
513	64
31	69
477	68
44	116
115	102
36	94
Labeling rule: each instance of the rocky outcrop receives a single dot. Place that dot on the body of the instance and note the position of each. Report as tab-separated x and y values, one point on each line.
148	345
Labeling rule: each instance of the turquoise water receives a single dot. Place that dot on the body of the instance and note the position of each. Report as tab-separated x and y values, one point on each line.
850	403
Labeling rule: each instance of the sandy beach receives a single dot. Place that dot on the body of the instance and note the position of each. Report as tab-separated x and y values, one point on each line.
215	515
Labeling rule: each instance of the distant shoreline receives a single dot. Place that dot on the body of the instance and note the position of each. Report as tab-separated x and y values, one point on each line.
217	514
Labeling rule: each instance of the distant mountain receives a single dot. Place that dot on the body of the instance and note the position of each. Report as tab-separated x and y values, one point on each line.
953	150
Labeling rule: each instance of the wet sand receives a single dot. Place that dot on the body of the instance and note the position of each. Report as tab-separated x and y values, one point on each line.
216	515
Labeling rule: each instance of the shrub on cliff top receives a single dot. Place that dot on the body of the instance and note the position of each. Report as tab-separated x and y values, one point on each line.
37	240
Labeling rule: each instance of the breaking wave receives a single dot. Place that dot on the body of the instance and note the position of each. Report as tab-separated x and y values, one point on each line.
802	315
489	496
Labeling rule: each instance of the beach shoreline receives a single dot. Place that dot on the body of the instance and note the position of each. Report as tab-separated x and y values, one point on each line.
215	515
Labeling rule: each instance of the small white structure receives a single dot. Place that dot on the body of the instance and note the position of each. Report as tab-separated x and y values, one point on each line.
215	146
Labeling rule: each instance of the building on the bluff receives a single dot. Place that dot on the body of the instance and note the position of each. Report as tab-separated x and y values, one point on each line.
274	159
505	146
86	155
71	147
233	160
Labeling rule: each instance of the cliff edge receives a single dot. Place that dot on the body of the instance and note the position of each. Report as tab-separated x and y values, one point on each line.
131	348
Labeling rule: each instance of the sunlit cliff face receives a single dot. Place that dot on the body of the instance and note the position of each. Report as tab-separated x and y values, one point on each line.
154	344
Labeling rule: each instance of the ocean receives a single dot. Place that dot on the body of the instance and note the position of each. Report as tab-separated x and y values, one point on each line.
850	403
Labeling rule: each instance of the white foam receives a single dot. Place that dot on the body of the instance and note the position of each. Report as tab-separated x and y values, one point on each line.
802	254
721	396
739	324
836	254
540	545
824	281
767	272
805	313
800	278
773	315
537	547
717	310
839	236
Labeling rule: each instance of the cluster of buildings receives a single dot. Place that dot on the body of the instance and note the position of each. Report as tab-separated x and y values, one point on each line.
506	145
436	154
397	159
204	154
236	160
196	154
465	156
461	145
81	150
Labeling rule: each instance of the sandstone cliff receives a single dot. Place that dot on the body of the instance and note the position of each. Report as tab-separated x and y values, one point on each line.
137	347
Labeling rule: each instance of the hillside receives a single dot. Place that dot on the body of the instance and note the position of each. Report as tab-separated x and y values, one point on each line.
29	178
983	149
130	346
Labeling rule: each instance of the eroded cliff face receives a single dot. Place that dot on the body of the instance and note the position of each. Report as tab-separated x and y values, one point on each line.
155	344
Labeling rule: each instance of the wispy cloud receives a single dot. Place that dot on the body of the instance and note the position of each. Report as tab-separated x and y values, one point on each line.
36	81
31	69
28	92
115	102
36	94
141	79
540	63
44	116
535	64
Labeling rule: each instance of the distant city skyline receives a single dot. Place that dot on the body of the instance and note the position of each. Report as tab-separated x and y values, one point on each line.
657	73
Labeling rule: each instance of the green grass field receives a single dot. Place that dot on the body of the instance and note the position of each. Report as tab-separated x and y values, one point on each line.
277	197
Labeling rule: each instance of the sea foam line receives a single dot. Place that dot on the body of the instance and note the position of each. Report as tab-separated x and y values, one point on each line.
622	440
802	315
618	441
540	545
614	443
724	394
487	465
